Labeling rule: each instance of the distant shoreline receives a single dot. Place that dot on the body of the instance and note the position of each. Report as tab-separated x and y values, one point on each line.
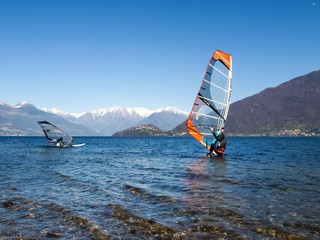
231	136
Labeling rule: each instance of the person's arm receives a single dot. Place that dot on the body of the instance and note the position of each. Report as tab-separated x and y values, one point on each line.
214	134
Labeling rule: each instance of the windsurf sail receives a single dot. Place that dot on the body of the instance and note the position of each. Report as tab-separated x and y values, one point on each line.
210	109
53	133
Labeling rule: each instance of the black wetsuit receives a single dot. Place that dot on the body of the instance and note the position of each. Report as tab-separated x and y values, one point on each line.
222	146
60	140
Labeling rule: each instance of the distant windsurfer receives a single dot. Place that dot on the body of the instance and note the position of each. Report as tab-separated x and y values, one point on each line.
222	143
60	142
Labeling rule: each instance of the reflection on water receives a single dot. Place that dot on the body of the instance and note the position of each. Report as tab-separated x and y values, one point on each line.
159	188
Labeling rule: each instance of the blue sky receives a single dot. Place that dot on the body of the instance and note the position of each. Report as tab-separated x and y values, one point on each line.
84	55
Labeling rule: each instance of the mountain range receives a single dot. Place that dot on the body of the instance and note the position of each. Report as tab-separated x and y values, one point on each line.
107	121
21	119
292	108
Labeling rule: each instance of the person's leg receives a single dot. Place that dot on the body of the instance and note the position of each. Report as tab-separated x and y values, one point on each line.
211	148
215	149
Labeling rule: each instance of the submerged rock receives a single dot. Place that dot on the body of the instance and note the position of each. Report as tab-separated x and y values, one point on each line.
53	235
145	225
8	204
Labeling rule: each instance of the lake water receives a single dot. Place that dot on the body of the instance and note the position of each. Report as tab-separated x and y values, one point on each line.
160	188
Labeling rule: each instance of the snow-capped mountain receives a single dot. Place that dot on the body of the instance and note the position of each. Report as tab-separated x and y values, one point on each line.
165	118
62	113
21	120
107	121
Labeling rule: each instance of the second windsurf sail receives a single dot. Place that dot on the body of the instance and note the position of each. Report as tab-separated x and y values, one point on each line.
55	134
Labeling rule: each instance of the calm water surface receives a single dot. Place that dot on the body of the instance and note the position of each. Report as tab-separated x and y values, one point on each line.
160	188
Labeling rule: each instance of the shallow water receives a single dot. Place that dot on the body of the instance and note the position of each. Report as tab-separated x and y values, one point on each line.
159	188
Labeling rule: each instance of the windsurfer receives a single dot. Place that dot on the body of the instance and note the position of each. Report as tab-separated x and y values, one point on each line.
222	143
60	142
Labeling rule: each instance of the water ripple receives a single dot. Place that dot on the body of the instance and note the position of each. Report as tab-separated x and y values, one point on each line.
159	188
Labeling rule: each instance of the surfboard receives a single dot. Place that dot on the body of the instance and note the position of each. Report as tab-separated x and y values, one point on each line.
78	145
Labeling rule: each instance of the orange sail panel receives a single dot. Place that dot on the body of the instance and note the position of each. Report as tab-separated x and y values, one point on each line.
223	57
210	109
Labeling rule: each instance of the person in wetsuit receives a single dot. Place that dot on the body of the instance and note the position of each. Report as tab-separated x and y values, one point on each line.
60	142
222	143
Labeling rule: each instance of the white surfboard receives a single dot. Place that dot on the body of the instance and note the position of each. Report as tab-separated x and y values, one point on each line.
78	145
